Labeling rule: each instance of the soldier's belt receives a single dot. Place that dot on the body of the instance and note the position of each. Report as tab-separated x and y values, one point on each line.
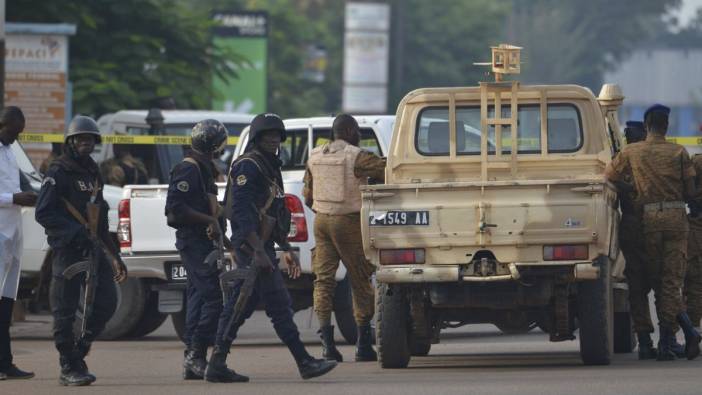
117	139
663	206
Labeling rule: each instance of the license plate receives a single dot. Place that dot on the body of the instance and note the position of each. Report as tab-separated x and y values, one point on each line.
399	218
178	272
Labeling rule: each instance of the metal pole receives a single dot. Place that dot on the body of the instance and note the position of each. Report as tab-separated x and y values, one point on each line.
2	53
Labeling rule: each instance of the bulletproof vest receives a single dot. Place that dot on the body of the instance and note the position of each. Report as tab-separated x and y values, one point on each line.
336	189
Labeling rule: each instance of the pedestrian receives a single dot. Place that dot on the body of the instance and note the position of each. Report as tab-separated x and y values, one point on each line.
631	242
71	184
188	210
11	201
256	194
692	290
124	168
334	175
663	178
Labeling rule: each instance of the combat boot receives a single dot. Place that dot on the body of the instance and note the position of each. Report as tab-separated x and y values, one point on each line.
217	370
81	350
646	349
195	362
329	350
677	348
665	352
70	376
310	367
692	337
364	347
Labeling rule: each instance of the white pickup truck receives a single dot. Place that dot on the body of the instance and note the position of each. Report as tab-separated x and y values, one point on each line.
148	244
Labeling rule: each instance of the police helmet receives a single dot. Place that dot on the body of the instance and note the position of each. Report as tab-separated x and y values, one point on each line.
81	124
265	122
209	136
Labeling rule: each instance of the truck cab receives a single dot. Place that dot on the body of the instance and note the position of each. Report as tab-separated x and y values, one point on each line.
496	210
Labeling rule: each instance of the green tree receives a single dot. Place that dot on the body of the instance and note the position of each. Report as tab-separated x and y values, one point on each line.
572	41
126	53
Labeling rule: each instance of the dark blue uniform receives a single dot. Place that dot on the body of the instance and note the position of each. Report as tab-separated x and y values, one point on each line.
189	187
250	190
75	181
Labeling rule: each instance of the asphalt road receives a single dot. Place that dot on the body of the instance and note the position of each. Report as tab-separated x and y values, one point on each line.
471	360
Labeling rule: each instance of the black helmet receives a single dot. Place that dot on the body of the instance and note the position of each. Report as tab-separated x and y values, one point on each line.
264	122
81	124
209	136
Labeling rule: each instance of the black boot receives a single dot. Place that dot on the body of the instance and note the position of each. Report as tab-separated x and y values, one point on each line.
692	337
70	375
80	351
665	352
646	349
677	348
195	362
311	367
15	373
329	350
217	371
364	347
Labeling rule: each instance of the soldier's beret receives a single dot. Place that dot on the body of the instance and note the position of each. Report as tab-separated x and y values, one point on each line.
657	108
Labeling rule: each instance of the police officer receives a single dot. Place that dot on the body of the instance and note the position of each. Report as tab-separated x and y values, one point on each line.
188	211
663	177
72	181
631	242
336	200
692	290
123	169
256	189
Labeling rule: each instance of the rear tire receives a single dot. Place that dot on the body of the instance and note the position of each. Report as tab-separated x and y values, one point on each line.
151	320
393	328
595	315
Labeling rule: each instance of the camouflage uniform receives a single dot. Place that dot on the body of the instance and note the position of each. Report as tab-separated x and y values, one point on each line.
126	170
631	242
659	170
338	237
692	290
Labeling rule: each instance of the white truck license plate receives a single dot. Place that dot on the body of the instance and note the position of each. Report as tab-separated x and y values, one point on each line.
399	218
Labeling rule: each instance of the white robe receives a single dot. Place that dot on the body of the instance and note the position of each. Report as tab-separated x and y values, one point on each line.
10	224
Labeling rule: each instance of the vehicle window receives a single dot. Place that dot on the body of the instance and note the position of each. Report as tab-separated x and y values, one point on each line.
293	151
564	130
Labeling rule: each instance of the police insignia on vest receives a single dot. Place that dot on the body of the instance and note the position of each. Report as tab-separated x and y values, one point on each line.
48	180
241	180
183	186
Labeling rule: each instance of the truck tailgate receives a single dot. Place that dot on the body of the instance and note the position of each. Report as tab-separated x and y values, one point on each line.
513	220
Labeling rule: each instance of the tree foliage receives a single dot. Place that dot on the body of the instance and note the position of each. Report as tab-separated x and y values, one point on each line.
572	41
126	53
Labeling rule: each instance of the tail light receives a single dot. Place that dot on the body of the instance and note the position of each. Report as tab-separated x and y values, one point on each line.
402	257
124	227
298	223
565	252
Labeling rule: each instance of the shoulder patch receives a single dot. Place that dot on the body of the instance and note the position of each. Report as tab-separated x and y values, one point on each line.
183	186
241	180
48	180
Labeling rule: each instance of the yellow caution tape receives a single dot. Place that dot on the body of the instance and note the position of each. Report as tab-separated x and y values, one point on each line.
117	139
685	140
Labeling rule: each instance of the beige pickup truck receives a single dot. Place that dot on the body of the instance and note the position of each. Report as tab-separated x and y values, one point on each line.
502	219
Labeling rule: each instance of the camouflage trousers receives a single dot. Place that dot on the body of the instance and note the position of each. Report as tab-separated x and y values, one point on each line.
692	291
338	237
666	264
631	242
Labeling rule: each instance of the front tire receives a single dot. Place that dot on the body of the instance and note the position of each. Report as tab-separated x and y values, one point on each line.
595	314
393	328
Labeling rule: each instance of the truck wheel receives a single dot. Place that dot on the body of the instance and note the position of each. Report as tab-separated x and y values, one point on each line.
393	328
151	319
131	300
594	303
624	339
343	311
420	347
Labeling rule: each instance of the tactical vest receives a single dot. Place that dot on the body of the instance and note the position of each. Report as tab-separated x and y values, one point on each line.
336	190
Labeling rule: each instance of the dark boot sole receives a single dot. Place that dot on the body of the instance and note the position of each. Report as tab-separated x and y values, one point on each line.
318	373
366	358
332	357
221	380
27	377
190	375
76	384
692	349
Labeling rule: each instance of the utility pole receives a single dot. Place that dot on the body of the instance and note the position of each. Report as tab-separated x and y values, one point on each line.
2	53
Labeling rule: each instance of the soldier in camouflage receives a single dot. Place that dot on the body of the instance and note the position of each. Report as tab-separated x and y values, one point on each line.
335	172
692	290
663	178
631	242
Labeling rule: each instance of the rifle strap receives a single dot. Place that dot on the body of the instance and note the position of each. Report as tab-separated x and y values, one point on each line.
274	188
75	213
199	172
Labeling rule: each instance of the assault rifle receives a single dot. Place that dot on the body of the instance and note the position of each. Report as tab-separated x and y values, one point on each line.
216	257
91	265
